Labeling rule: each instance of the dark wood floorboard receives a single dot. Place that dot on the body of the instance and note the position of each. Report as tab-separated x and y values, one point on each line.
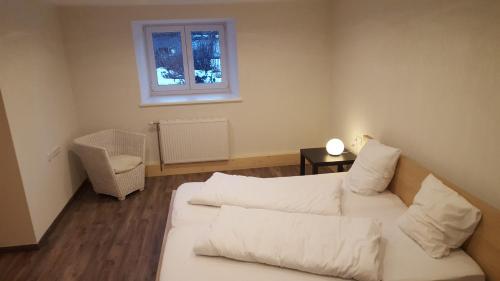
101	238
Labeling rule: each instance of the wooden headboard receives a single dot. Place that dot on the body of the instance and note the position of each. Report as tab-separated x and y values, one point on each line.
484	244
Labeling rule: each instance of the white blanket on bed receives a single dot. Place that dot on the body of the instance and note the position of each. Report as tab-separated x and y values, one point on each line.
305	194
328	245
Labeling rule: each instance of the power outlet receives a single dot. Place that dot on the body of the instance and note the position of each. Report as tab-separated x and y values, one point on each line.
53	153
356	143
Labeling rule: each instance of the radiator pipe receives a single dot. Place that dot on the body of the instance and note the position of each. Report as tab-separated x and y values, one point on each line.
157	124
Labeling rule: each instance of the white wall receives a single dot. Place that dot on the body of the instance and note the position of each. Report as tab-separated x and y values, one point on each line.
40	106
423	76
420	75
15	221
283	71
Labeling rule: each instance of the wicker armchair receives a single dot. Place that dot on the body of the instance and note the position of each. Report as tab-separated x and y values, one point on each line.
114	161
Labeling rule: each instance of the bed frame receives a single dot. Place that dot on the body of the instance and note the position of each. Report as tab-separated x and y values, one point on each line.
168	226
484	244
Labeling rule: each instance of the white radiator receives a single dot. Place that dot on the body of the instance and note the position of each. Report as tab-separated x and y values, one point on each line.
183	141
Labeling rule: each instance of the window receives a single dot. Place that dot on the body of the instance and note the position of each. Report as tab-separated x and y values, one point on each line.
186	62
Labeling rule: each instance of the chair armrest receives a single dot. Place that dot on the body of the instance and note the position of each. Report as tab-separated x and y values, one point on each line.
97	164
92	155
82	145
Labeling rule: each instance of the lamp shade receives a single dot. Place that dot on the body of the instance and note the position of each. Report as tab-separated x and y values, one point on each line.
335	147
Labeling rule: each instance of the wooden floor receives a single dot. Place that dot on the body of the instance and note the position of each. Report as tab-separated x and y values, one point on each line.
101	238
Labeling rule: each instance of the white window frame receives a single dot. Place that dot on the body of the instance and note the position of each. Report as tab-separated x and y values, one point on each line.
152	94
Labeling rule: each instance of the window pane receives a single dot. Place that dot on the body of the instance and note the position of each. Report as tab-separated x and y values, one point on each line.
206	57
168	58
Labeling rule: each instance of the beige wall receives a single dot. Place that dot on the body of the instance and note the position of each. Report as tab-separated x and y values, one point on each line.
39	104
282	69
15	220
423	76
420	75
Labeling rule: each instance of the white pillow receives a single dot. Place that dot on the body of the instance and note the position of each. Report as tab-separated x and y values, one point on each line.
439	218
373	169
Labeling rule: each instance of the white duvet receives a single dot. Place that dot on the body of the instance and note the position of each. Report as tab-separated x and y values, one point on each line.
327	245
304	194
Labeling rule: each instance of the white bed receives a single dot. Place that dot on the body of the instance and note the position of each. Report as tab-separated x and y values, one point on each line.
403	258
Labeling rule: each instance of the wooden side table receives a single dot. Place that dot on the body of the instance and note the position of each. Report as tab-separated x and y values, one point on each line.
318	157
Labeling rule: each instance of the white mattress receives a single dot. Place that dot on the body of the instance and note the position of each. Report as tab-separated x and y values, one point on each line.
403	258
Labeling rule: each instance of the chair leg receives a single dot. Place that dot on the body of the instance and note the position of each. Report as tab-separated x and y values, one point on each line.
121	198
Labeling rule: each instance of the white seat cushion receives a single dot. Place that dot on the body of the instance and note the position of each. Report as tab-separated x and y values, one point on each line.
123	163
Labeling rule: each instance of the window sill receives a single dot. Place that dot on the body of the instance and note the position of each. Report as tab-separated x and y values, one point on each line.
188	99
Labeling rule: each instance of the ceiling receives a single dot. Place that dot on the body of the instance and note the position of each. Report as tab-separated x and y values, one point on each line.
151	2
